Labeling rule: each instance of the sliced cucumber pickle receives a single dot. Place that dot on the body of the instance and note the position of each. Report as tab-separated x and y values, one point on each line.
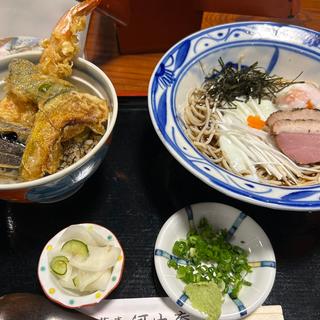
76	281
76	248
59	265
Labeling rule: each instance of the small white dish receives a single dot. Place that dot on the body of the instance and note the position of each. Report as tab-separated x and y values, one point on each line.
244	232
57	294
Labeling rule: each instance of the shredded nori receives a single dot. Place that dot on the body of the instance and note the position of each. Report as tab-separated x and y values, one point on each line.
232	83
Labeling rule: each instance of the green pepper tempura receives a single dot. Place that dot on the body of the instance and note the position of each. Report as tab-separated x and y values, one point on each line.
211	258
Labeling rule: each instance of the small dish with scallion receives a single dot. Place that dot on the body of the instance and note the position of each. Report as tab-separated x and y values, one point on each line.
214	261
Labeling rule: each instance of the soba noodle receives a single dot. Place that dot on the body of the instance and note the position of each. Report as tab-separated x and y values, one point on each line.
222	134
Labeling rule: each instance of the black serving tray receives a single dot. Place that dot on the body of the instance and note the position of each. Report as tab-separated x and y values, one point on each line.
138	186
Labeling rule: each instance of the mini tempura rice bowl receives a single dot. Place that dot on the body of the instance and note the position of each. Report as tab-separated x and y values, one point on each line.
282	50
66	182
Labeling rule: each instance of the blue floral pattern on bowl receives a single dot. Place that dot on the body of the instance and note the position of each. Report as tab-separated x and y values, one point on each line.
281	49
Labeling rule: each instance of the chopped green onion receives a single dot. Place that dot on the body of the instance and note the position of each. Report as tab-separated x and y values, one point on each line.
44	87
180	248
211	258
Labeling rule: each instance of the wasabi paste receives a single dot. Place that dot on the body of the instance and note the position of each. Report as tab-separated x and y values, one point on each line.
205	297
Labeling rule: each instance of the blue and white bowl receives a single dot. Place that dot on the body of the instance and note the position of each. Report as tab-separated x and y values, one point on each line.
243	232
66	182
284	50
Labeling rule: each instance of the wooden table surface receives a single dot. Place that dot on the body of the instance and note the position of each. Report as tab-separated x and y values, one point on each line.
130	74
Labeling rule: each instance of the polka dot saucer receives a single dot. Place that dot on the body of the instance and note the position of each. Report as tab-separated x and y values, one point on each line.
58	294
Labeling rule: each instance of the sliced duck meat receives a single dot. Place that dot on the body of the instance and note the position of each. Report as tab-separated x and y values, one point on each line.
298	139
298	96
296	126
302	114
297	134
302	148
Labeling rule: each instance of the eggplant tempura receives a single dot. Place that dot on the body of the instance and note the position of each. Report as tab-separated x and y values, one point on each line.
60	106
42	110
